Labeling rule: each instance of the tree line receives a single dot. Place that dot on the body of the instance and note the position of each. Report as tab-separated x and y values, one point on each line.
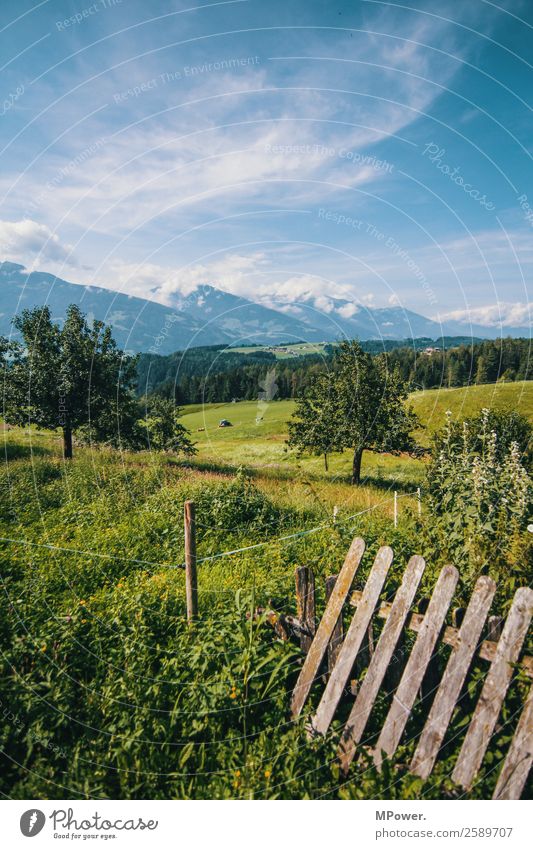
210	375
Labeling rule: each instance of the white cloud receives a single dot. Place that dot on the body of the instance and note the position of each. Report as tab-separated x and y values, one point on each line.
348	310
493	315
32	243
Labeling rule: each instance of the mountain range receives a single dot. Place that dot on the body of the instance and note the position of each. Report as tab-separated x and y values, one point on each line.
210	316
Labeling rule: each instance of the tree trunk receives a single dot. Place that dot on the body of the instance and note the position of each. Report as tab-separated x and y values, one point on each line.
67	442
356	465
326	462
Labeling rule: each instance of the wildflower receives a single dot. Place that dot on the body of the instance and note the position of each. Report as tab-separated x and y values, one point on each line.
82	603
268	773
83	621
233	694
43	648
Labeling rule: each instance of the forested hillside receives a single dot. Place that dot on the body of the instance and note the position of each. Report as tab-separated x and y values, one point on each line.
216	374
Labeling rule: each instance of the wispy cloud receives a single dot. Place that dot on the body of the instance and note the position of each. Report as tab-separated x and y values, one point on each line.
494	315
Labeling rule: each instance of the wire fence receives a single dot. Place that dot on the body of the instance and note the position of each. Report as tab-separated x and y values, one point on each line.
336	521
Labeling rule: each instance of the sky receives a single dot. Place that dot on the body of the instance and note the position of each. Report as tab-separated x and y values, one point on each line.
285	151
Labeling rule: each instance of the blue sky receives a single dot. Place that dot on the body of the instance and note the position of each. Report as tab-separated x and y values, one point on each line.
284	151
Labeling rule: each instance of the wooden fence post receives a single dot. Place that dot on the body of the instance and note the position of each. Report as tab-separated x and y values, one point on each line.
305	601
191	582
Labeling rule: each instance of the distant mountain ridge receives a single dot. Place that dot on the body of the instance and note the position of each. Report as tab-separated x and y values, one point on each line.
210	316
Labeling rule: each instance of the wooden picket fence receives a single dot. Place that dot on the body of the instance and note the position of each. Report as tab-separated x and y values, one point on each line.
331	656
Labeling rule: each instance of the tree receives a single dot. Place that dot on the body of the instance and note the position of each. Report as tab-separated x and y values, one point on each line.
313	427
72	377
358	405
162	428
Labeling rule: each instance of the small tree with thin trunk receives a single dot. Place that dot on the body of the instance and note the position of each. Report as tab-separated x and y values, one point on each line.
313	427
162	429
358	405
69	377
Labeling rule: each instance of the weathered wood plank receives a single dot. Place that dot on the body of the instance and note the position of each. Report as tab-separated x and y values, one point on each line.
335	643
327	624
453	679
494	688
352	642
519	758
368	691
419	659
305	605
191	579
485	650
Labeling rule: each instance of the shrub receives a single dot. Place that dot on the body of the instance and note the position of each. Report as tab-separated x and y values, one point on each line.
480	496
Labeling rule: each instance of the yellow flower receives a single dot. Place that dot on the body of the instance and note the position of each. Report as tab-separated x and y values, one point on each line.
233	694
43	648
82	602
268	773
84	620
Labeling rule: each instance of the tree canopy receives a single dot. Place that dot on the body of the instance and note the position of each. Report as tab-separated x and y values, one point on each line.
358	404
75	378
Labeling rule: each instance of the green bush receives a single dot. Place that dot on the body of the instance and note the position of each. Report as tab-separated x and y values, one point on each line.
480	497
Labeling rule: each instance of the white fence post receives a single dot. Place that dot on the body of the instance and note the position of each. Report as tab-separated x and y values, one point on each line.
395	509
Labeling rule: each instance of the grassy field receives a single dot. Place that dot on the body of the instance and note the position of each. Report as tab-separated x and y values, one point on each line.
257	438
285	352
432	404
108	693
259	431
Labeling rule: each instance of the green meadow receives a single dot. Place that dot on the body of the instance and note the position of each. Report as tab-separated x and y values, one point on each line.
107	693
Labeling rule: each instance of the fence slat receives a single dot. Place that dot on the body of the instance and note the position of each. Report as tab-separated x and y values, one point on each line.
327	624
453	678
352	642
486	650
191	580
368	691
419	659
305	604
494	688
335	643
519	757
